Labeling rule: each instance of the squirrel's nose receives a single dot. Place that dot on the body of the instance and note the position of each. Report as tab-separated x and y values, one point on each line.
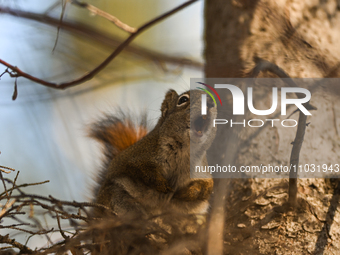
210	103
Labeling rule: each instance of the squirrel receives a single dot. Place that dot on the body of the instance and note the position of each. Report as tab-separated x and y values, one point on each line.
148	174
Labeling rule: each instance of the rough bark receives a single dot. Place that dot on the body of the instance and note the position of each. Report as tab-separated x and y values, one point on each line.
302	38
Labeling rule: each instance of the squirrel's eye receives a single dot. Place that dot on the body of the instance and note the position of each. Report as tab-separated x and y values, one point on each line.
184	98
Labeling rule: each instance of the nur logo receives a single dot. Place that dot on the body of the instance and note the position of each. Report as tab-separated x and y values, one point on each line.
303	97
239	101
204	97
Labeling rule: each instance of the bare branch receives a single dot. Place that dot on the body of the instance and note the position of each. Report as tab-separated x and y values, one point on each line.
4	72
108	40
23	185
3	183
60	229
300	132
2	169
7	206
22	248
294	159
113	19
94	235
60	23
19	73
14	183
28	231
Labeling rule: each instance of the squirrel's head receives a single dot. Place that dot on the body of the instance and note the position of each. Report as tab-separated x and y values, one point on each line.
181	118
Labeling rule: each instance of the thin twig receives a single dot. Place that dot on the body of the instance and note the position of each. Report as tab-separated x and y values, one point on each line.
2	169
4	184
6	247
294	160
23	249
14	183
7	206
113	19
23	185
15	225
16	72
56	201
60	229
4	72
31	232
60	24
17	202
261	66
94	34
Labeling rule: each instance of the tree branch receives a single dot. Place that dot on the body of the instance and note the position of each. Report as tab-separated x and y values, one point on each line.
94	34
2	169
300	132
294	160
106	15
22	248
16	72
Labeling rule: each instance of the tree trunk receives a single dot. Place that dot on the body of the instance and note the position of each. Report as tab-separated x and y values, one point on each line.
298	36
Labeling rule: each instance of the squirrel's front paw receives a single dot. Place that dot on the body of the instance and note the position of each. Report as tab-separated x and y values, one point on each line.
196	190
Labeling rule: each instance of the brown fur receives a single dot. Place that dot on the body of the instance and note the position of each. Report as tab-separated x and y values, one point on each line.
123	136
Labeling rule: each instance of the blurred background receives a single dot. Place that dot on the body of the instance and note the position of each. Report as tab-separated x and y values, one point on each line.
43	133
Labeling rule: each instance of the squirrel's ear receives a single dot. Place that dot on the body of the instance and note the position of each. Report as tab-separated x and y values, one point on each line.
170	97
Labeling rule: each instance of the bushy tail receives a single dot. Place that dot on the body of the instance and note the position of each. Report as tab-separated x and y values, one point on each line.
117	133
